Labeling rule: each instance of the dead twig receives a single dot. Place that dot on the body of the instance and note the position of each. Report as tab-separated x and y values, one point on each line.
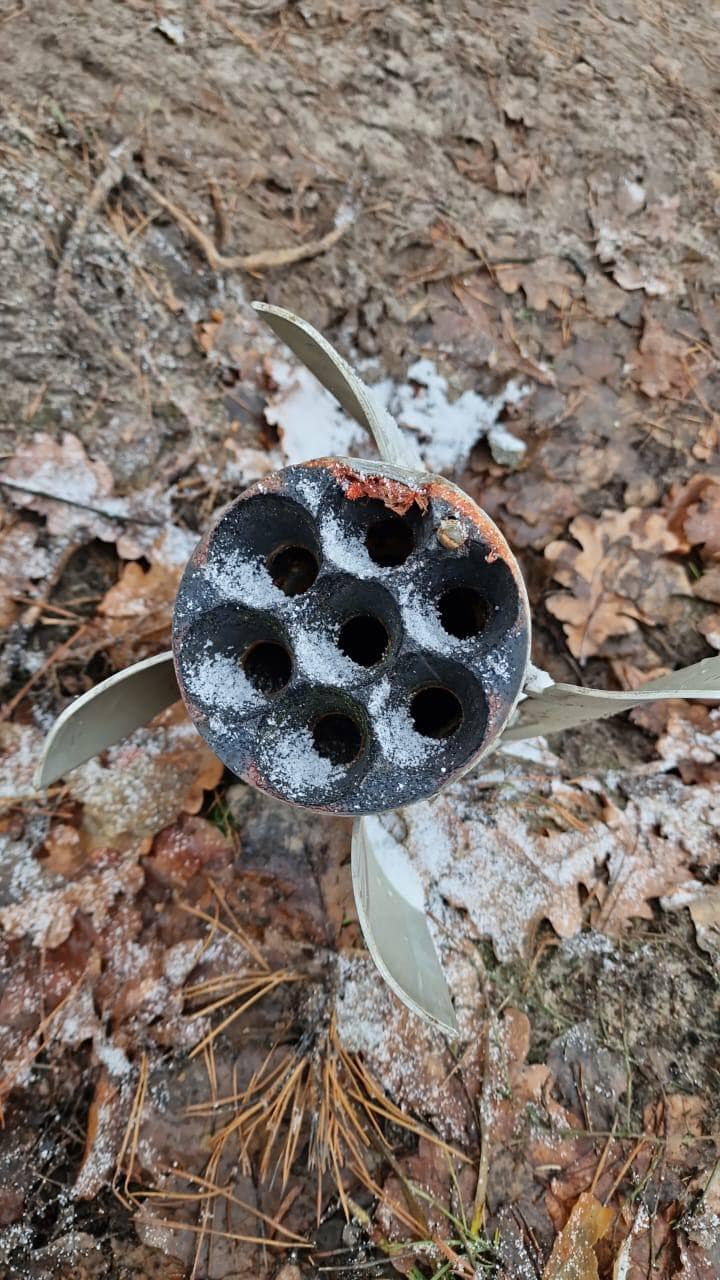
265	258
122	516
222	227
50	661
31	615
111	176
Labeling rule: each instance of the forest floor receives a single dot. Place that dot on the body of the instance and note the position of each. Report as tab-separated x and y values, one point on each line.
507	215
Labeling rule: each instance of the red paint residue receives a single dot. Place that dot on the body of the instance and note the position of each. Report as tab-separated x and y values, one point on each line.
395	495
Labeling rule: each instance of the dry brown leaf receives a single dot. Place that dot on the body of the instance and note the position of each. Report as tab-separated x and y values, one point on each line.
707	587
22	561
296	870
703	903
20	746
63	854
697	1261
657	367
678	1118
445	1187
510	1082
190	846
47	918
543	281
702	524
142	784
509	1086
75	494
589	1078
693	514
136	614
690	741
63	469
632	235
644	1251
407	1057
103	1124
709	627
617	576
529	512
516	174
699	1241
501	859
664	829
507	859
573	1256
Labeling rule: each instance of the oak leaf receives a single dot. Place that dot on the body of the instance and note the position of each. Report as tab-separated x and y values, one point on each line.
658	366
76	495
617	574
543	281
495	859
693	513
507	859
664	829
47	918
632	235
70	489
573	1256
136	613
529	512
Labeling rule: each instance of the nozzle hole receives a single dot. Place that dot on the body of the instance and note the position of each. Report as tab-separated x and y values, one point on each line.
464	612
363	639
337	738
390	541
268	666
436	712
293	569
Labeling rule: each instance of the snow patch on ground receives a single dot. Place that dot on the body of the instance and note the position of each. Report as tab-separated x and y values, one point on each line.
311	424
448	430
309	420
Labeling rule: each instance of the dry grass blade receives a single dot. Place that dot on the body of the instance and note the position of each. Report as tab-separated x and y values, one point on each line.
234	932
260	985
210	1189
261	261
313	1100
125	1163
197	1229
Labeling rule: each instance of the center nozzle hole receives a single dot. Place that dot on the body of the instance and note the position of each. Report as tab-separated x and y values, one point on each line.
363	639
268	666
463	612
337	738
436	712
293	569
390	541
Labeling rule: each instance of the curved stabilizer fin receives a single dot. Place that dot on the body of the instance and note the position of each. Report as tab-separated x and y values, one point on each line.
335	374
107	713
397	935
565	706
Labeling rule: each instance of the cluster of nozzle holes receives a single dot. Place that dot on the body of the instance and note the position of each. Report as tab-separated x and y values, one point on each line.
363	637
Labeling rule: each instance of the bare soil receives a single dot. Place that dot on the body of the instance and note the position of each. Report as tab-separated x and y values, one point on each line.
524	189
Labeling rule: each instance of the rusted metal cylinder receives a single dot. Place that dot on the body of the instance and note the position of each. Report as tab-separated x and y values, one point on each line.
351	636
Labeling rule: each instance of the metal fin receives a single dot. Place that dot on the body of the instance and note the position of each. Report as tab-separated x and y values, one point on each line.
565	706
106	714
397	936
335	374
